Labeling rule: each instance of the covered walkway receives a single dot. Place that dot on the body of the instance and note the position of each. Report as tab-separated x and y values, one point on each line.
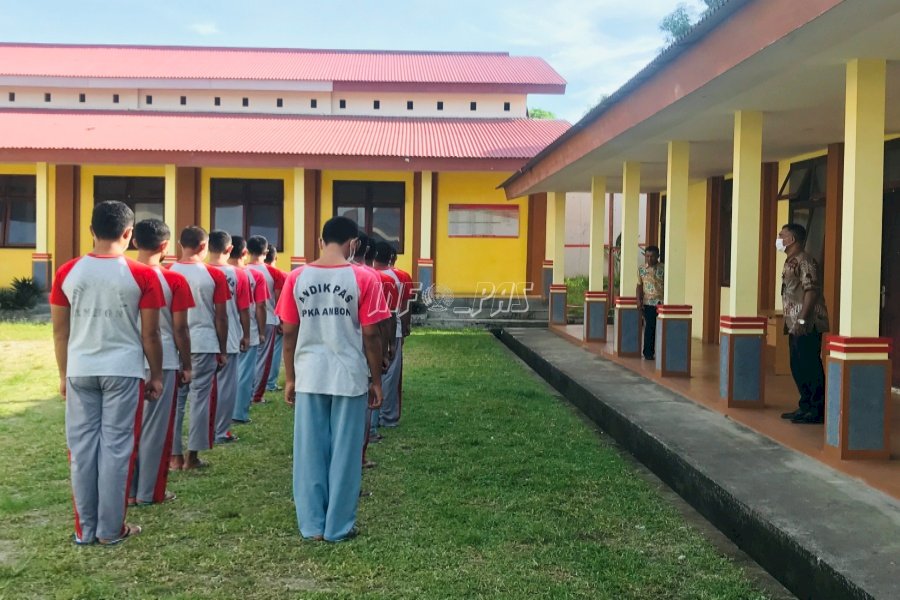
781	396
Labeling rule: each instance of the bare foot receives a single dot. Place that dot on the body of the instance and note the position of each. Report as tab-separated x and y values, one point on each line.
176	462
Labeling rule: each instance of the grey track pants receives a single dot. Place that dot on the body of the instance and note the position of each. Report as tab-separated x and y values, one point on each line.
202	394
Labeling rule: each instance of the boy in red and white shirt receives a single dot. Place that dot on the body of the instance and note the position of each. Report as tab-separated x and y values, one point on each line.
259	295
257	246
390	411
208	324
151	471
330	313
105	311
279	276
238	332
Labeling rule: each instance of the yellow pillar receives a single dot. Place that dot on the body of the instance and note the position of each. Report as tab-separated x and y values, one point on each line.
299	218
742	333
558	206
858	380
42	197
596	263
677	184
556	251
171	198
631	198
596	299
745	214
425	234
863	198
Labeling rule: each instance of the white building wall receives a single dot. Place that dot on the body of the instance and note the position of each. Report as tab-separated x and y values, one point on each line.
578	228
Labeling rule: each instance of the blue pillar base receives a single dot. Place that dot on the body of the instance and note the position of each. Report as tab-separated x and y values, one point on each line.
858	398
547	280
596	309
426	273
297	261
742	343
558	298
42	270
673	341
627	328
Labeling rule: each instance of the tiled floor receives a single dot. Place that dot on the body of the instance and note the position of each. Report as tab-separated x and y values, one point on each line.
781	396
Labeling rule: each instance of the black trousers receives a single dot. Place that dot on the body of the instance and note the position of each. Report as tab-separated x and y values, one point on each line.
809	375
649	331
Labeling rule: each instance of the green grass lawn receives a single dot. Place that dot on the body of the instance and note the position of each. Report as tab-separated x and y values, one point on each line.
491	488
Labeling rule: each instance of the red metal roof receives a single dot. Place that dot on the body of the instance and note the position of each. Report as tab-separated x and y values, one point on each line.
160	62
239	134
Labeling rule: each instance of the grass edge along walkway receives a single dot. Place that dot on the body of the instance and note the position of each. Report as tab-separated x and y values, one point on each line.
491	488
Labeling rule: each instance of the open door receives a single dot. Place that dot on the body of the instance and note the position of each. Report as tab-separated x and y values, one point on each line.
890	277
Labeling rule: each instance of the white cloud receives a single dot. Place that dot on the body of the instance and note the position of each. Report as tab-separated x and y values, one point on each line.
205	28
597	45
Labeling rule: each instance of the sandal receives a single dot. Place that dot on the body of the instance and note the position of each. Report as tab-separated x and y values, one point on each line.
370	464
168	498
200	464
127	532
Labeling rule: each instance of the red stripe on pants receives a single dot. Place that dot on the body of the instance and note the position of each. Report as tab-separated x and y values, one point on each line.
138	422
267	368
74	505
162	474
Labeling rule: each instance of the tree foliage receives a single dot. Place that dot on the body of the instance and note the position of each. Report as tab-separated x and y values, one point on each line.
540	113
677	23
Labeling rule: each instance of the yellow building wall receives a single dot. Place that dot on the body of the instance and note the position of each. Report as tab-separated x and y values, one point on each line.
15	262
697	247
286	175
461	263
404	260
88	172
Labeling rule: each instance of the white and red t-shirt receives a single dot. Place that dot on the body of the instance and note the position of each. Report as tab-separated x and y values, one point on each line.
209	287
402	294
239	286
178	296
275	282
331	305
105	295
259	292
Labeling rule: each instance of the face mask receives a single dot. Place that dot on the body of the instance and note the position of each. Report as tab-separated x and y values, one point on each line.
779	245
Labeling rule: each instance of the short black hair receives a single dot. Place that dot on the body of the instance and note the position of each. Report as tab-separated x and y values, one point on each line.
257	244
219	241
150	233
339	230
238	245
652	249
110	219
192	236
383	252
798	231
370	251
271	253
364	243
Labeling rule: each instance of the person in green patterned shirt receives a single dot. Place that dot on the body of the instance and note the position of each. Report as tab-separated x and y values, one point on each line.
649	295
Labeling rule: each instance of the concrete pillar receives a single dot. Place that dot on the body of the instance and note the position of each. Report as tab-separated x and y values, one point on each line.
41	260
299	218
170	209
742	330
673	334
858	373
596	298
549	249
628	319
558	295
426	261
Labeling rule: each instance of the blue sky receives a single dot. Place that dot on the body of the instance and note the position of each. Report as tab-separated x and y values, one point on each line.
595	44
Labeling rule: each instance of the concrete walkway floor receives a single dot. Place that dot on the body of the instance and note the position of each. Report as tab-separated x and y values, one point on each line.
823	534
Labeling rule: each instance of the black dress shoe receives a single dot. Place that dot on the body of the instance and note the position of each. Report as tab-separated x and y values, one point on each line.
808	418
792	414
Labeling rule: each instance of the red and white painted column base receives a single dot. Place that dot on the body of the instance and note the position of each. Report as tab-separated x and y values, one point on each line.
742	343
596	309
673	340
627	327
858	397
296	261
42	270
547	279
558	298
